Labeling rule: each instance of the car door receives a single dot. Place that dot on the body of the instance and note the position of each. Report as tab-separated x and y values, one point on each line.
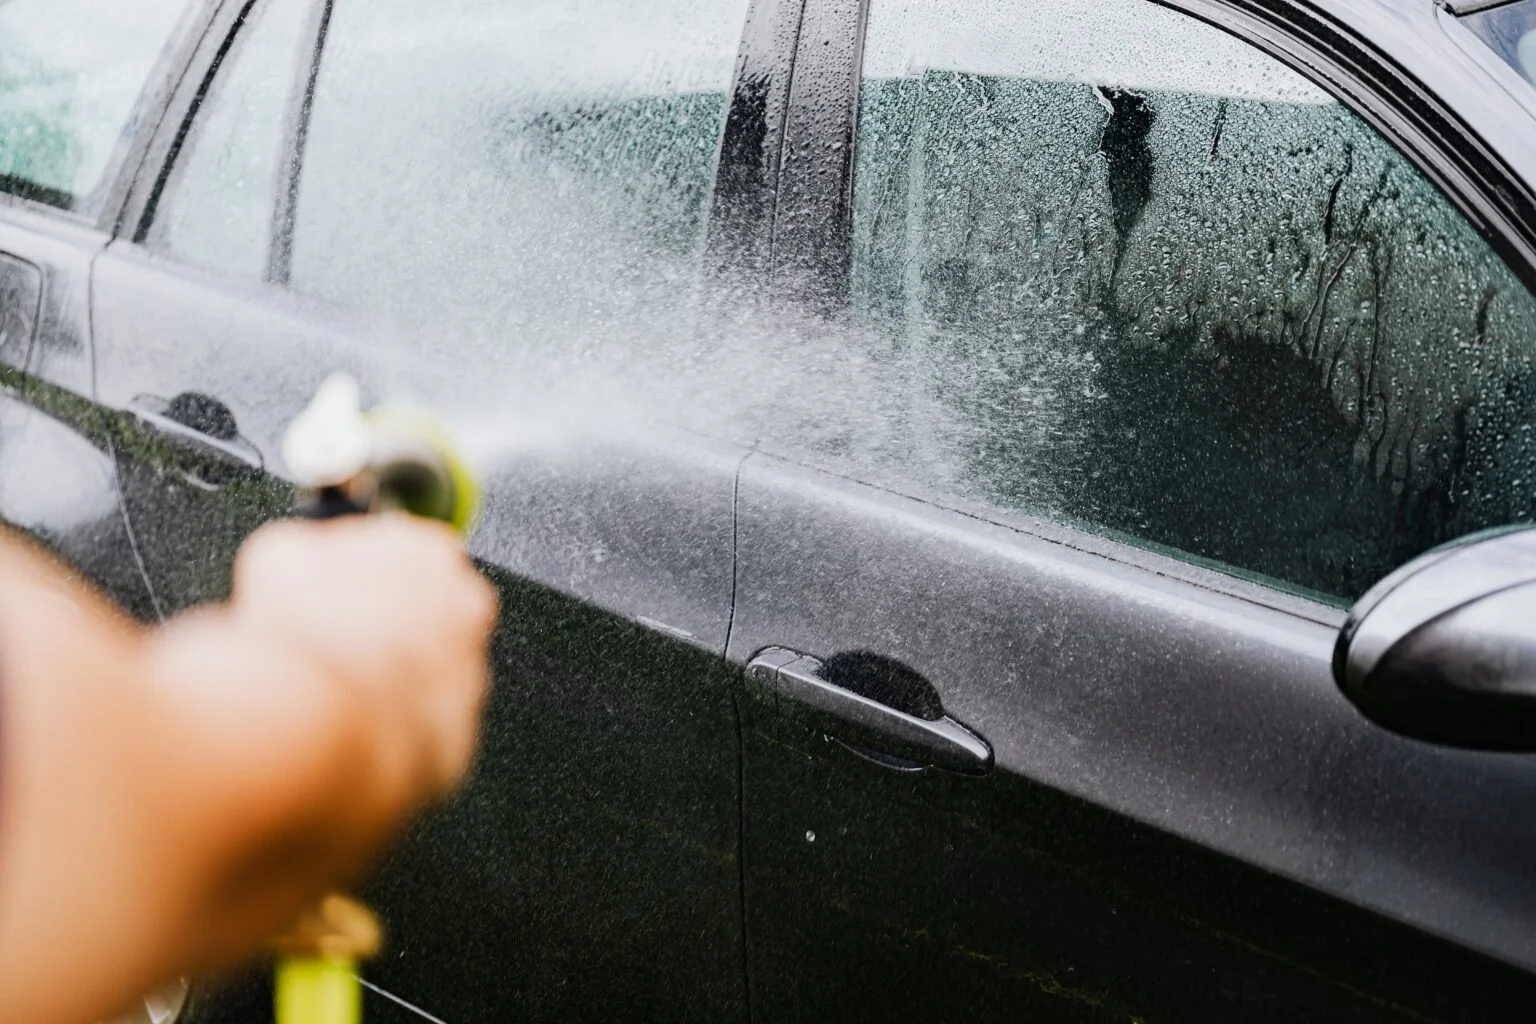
384	189
72	86
1154	356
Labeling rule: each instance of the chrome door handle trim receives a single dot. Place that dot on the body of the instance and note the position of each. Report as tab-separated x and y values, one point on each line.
796	682
238	450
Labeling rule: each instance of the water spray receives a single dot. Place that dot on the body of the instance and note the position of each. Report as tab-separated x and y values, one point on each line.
348	462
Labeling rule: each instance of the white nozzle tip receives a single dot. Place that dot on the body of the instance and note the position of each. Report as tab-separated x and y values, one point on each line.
329	442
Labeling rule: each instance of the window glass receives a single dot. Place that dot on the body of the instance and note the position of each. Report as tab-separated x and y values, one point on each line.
1116	267
217	208
70	74
513	171
1511	33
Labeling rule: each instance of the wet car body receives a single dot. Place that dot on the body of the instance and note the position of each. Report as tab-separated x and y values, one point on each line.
1164	810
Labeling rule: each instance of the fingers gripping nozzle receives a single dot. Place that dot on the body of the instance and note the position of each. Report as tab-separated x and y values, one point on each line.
347	461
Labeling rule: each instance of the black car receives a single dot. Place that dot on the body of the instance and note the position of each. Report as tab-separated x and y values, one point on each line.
930	450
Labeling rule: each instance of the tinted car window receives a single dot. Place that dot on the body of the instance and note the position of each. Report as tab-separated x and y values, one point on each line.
508	172
217	209
1121	269
1511	33
70	72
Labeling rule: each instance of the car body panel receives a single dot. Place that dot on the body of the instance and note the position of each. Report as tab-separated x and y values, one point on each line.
21	293
57	481
1167	703
1120	682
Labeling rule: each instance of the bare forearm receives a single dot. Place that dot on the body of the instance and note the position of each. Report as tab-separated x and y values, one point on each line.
71	676
171	798
124	752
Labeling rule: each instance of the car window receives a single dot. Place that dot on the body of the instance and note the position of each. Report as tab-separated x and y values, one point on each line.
70	74
1510	31
508	174
1115	267
217	208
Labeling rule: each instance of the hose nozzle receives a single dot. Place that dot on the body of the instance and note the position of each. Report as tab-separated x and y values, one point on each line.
348	461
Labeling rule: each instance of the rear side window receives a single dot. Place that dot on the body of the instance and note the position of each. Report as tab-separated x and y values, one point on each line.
1115	267
508	172
218	206
71	72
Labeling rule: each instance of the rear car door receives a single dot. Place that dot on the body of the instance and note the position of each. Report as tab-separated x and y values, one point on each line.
476	208
74	83
1155	356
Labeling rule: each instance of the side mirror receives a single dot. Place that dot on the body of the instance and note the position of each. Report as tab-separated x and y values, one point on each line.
1444	649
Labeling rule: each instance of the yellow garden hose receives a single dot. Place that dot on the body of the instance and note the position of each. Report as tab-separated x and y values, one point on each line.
318	961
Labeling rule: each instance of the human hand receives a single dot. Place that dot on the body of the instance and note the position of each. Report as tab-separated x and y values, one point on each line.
393	610
335	694
174	797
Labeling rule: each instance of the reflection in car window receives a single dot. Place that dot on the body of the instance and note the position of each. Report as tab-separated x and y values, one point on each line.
217	208
1511	33
70	73
1128	272
506	172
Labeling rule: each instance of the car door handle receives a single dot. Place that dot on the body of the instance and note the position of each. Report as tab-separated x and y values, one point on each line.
202	430
800	690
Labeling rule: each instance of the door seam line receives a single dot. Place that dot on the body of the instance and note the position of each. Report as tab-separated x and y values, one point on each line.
741	754
133	541
117	475
741	861
730	618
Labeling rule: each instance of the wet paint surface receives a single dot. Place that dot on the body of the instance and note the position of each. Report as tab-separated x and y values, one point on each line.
940	897
588	870
1117	864
1133	775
